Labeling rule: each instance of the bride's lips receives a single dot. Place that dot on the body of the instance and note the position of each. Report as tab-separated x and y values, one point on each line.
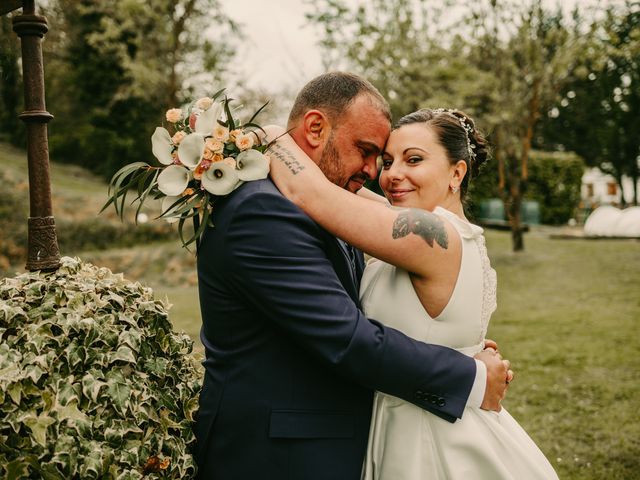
399	193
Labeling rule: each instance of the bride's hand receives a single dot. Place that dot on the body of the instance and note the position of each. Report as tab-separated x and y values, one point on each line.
272	132
498	377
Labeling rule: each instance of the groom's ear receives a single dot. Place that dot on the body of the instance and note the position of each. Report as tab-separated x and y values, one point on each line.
316	128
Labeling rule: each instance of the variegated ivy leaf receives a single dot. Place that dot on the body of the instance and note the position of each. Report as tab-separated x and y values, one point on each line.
38	424
88	361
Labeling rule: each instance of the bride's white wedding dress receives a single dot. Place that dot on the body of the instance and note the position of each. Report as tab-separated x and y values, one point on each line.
409	443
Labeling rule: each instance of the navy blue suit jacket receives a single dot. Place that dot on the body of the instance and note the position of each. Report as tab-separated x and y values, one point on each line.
291	362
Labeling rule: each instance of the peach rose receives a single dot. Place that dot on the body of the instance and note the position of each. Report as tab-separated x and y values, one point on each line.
220	133
217	157
204	103
202	167
174	115
230	161
214	145
233	134
244	141
178	137
188	191
207	154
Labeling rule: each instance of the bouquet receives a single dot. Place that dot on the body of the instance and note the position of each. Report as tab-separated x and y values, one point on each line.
205	154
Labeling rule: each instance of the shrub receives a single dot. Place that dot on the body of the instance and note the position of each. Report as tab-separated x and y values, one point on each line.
554	182
102	234
555	179
93	381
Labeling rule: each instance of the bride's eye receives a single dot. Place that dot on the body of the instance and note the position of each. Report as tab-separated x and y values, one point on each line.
414	159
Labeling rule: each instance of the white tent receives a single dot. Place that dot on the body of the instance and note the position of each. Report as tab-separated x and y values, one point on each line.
628	224
608	221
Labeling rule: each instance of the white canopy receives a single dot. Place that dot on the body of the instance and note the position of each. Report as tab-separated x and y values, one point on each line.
608	221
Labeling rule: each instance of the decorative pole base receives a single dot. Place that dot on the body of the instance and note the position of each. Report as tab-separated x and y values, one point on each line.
43	245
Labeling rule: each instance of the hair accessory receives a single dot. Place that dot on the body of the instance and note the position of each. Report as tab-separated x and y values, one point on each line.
467	128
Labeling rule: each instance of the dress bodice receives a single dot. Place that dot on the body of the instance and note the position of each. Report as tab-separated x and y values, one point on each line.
388	295
409	443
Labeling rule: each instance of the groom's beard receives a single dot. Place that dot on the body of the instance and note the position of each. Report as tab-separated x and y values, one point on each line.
333	169
330	163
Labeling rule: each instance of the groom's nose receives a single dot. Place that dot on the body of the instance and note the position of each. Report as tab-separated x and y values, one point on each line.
370	169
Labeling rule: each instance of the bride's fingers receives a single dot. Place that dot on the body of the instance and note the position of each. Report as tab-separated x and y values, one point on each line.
507	364
509	376
490	344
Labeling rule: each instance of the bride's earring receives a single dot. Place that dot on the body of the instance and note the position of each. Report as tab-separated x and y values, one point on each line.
454	189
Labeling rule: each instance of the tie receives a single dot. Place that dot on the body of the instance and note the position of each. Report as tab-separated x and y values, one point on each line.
352	258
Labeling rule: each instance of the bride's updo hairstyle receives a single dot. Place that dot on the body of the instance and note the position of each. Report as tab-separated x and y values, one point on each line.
457	133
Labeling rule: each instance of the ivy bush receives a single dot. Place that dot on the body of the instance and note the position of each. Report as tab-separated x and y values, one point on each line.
93	381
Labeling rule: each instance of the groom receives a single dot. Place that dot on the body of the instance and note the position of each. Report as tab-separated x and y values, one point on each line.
291	361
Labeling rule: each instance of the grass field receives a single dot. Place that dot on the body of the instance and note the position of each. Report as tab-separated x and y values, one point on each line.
567	319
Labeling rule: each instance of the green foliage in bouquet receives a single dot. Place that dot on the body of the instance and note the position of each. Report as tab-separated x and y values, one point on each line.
93	381
205	154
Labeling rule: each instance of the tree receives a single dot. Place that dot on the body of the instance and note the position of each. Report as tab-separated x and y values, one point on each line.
504	62
528	54
113	68
403	47
10	84
599	113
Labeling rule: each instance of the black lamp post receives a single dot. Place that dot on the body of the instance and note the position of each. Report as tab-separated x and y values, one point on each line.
43	252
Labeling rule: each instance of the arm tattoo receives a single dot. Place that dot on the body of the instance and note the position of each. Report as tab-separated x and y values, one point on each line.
286	157
422	223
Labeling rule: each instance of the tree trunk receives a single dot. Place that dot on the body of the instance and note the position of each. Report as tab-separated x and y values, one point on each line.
623	202
517	238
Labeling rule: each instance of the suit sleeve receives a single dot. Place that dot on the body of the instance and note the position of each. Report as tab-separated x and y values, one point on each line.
278	262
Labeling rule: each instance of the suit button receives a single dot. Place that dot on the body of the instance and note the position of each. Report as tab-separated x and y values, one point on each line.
441	402
420	395
433	399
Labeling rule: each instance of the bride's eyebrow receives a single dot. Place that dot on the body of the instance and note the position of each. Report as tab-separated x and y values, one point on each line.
414	148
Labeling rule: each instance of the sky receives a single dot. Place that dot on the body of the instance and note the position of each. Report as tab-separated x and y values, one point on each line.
281	51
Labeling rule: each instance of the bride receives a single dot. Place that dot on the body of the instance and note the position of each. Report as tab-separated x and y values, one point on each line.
430	263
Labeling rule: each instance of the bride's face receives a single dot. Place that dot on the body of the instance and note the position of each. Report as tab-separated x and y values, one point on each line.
415	169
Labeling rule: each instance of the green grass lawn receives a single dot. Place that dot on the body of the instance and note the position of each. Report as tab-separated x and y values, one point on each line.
566	318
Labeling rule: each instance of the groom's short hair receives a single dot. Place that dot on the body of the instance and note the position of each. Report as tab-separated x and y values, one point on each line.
332	93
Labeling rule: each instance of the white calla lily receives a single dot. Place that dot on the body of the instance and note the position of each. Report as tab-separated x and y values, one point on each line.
191	149
220	179
173	180
161	146
252	165
166	205
208	119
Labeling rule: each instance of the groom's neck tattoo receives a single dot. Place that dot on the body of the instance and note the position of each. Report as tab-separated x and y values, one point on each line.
286	157
420	222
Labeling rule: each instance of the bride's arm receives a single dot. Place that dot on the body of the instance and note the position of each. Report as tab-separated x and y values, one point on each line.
413	239
371	195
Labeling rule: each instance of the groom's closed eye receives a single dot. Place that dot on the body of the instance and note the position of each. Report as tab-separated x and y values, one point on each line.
368	149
